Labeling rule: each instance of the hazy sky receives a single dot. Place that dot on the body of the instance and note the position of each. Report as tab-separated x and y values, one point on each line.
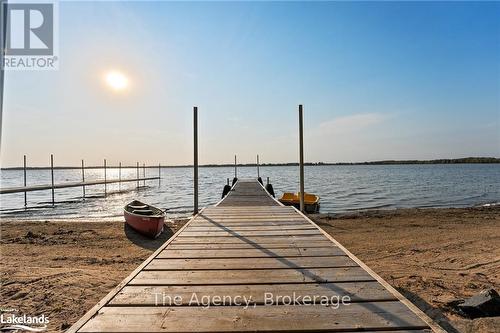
377	80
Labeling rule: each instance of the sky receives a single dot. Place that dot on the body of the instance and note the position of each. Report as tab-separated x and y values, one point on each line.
388	80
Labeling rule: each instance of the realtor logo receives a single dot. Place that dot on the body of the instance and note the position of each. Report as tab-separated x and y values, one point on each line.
29	35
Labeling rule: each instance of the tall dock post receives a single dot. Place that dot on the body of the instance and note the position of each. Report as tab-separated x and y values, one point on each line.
258	172
120	176
52	177
235	168
144	174
195	158
138	184
25	194
105	187
159	174
83	178
301	157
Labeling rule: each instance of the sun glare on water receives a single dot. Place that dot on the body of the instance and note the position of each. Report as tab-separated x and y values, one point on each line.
117	81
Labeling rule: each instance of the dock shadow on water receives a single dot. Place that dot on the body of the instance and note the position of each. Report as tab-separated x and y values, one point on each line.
146	242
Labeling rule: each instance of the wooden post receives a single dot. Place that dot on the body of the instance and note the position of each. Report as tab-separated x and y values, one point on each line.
105	186
235	168
228	181
267	180
52	177
25	194
83	178
159	174
120	176
138	175
258	172
301	157
144	174
195	158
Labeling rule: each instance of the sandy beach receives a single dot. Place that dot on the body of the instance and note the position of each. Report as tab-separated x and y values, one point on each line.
433	256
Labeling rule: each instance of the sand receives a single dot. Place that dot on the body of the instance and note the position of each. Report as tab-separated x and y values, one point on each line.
62	269
433	256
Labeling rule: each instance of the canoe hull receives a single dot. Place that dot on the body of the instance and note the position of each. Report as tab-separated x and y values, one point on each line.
150	226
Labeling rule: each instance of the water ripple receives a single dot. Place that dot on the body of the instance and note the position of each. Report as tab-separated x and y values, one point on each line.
342	188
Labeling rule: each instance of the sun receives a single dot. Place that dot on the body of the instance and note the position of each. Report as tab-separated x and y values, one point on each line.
116	80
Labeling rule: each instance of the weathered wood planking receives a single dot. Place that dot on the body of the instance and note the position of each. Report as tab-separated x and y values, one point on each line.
267	245
249	245
260	276
151	295
253	253
238	228
378	315
310	239
250	263
245	233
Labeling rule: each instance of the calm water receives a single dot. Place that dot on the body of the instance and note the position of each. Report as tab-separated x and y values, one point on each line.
342	188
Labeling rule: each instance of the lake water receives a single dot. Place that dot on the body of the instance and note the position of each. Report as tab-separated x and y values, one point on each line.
341	188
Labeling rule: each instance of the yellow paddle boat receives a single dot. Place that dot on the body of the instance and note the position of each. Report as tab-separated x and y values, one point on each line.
311	201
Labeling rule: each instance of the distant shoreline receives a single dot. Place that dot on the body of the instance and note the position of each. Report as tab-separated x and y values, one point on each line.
466	160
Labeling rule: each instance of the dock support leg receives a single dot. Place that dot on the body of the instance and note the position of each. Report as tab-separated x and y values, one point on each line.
52	178
144	174
105	185
159	174
195	158
25	194
83	178
301	158
138	175
235	168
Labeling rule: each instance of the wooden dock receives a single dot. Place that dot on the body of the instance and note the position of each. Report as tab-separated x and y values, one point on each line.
21	189
250	246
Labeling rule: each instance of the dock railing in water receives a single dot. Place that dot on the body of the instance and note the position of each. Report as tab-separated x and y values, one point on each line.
83	183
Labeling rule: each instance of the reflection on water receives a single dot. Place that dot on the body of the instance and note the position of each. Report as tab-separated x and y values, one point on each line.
342	188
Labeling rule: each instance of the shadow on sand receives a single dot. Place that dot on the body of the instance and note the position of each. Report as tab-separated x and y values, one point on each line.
146	242
436	314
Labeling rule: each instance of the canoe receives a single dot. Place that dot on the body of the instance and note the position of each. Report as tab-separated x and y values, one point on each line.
144	218
311	201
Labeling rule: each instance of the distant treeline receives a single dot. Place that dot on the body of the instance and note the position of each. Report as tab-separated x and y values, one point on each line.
439	161
386	162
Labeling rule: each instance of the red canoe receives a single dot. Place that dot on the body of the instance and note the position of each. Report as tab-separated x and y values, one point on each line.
145	219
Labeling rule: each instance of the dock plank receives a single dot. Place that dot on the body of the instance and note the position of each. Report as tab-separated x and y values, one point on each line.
242	245
203	228
252	253
255	294
288	239
244	233
251	263
261	276
358	316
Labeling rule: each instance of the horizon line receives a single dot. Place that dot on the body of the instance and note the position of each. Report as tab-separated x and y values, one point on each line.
463	160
